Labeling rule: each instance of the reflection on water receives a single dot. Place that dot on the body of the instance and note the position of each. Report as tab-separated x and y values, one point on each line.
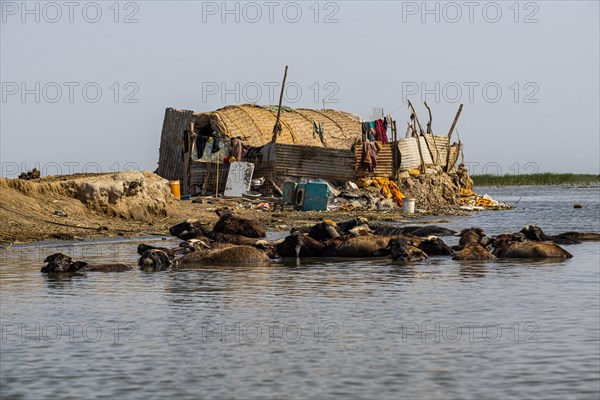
314	329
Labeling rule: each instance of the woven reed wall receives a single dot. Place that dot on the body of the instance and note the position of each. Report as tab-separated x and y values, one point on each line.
454	153
170	154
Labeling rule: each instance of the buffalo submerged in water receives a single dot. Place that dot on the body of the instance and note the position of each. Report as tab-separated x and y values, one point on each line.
234	240
61	263
535	233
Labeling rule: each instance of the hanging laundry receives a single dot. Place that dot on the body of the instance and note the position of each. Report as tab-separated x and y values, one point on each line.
371	134
381	131
238	148
366	127
369	156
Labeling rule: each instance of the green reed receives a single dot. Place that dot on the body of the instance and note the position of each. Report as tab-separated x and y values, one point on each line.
535	179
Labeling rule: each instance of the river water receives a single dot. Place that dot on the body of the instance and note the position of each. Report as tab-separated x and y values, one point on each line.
321	329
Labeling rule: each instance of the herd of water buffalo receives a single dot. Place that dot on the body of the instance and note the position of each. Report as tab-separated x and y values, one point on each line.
235	240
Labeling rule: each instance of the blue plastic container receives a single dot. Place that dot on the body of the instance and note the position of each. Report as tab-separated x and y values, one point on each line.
314	196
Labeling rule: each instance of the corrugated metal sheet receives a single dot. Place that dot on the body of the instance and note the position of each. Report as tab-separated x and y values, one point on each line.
291	161
385	162
170	158
434	150
314	162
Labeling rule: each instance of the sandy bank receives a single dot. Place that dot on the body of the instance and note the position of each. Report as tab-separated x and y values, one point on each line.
130	204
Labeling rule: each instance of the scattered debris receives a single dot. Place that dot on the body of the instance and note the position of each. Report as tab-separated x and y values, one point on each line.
480	203
33	174
264	206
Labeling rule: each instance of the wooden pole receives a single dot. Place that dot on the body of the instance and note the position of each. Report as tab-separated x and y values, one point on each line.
395	148
430	132
416	118
205	183
450	135
277	127
430	119
187	159
217	184
455	121
418	139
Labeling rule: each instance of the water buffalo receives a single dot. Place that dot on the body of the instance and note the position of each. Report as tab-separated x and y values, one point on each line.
61	263
421	231
82	266
300	245
473	251
57	262
233	239
434	246
324	230
360	230
267	247
344	227
472	246
191	245
226	256
328	229
472	235
170	252
535	233
190	229
506	247
155	259
428	230
403	250
359	246
194	245
231	224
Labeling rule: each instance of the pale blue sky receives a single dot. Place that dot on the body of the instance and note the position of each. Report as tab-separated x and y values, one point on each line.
181	54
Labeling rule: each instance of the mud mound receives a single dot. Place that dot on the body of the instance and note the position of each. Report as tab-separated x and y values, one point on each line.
435	189
131	195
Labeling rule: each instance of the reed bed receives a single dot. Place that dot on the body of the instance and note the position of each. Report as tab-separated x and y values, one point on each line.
535	179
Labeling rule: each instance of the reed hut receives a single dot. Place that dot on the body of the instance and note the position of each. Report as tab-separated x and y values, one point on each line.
313	144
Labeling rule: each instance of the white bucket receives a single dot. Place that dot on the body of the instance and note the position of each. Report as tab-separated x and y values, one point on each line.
408	206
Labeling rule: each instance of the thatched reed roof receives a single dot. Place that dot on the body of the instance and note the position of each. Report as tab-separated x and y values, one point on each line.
255	125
